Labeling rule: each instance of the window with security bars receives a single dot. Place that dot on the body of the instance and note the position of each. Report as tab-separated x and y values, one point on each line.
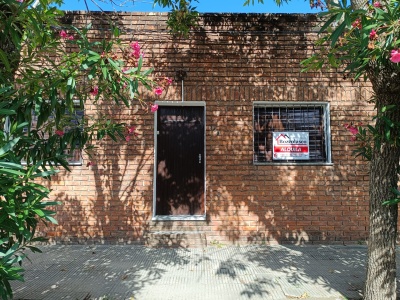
287	132
71	121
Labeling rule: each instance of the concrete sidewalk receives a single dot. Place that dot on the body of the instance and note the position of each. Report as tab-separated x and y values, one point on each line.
220	273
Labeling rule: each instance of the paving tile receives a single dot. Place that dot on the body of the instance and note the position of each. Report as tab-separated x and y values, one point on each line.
252	272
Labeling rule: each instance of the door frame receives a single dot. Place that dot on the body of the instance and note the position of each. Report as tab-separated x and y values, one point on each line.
179	217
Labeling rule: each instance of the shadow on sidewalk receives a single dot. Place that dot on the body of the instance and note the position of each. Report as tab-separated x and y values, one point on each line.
221	273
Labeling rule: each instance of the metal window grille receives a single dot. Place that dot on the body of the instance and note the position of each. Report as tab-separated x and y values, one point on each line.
72	120
291	117
75	121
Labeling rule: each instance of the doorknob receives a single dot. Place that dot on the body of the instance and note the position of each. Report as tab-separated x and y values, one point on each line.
199	158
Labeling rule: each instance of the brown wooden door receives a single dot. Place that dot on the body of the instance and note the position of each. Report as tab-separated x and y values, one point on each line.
180	161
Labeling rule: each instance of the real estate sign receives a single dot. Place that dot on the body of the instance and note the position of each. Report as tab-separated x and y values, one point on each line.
290	145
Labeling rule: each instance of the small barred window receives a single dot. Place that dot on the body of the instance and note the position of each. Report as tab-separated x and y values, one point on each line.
70	122
291	132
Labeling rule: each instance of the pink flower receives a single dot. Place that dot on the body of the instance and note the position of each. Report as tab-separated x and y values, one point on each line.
20	1
377	4
63	34
395	56
131	129
169	80
154	108
94	91
353	130
357	24
135	46
59	133
158	91
135	54
136	50
373	35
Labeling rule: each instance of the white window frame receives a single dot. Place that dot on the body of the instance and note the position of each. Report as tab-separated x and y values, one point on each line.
293	104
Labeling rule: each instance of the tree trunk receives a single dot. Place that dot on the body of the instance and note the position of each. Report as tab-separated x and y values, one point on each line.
384	164
359	4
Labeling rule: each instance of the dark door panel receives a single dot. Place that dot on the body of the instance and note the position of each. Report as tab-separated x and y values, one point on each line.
180	161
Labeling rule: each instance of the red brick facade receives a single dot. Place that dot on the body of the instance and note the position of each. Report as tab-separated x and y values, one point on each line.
231	61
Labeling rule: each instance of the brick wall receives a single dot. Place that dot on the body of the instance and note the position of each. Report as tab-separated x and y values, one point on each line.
231	60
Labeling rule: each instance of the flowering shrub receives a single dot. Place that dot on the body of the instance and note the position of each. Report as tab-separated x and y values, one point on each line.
368	136
352	39
47	83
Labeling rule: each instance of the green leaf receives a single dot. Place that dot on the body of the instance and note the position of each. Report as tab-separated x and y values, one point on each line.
388	107
11	172
10	165
71	85
140	63
147	72
391	201
45	174
337	33
51	219
328	23
103	69
9	251
9	146
94	55
387	135
112	62
39	212
4	60
34	249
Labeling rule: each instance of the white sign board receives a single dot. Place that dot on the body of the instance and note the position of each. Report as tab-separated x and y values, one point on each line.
290	145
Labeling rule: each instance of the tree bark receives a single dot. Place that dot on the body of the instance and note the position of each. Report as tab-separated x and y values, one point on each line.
384	165
358	4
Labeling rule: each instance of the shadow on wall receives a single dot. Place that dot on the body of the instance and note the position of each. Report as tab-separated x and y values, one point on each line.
246	203
108	201
233	60
229	65
237	49
276	204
